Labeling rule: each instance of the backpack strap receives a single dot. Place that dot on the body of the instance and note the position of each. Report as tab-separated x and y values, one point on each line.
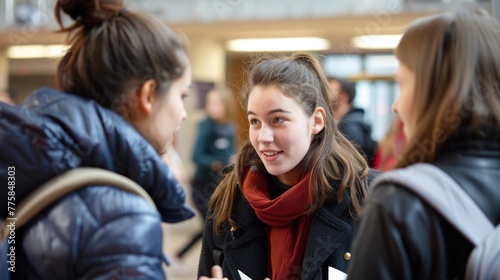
64	184
438	189
218	248
484	260
372	175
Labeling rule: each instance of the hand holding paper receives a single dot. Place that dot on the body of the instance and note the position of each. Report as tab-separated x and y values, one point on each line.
216	274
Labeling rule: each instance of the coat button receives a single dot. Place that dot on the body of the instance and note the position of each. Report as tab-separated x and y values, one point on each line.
347	256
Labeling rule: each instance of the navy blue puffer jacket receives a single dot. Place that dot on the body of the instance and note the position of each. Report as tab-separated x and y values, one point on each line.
98	232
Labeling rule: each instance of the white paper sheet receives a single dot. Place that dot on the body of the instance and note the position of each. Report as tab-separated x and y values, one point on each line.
244	276
335	274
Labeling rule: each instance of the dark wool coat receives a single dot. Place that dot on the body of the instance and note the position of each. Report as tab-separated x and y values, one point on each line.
329	243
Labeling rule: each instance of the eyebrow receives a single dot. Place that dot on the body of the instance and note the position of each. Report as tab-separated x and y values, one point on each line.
271	112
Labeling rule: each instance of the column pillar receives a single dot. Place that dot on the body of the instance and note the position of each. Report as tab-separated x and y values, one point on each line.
4	69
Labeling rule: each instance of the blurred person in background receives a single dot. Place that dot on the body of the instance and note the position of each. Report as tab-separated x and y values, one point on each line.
174	161
352	119
119	101
214	148
390	146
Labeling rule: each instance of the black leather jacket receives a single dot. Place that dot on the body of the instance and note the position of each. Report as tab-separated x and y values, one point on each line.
356	130
401	237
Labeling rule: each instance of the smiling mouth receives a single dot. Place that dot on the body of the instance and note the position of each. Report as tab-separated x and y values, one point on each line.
270	154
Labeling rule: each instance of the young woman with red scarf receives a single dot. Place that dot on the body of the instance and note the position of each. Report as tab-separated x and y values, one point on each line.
287	210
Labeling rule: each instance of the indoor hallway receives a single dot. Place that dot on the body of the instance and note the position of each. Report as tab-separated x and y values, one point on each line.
175	236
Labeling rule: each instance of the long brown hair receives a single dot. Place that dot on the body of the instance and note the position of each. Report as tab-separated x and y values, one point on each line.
456	62
113	51
331	156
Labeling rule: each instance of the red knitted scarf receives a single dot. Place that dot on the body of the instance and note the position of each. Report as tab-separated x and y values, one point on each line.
287	225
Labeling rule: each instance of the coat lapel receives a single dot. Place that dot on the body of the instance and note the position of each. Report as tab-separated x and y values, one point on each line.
327	233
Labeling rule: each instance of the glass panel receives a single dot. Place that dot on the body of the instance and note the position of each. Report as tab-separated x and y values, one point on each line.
378	65
342	65
376	98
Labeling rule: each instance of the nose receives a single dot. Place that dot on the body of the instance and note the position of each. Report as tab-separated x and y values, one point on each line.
183	113
395	105
266	134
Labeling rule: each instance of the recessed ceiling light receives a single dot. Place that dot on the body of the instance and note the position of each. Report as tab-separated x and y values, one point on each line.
278	44
376	41
36	51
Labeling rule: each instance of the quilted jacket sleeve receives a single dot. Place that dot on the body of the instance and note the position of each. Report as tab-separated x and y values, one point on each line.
96	233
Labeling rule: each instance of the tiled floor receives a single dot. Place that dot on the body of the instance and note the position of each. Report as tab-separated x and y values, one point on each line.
175	237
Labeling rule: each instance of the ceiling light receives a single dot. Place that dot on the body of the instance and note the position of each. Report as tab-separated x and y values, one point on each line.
376	41
36	51
278	44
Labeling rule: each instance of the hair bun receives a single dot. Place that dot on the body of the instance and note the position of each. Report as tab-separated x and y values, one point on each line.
91	11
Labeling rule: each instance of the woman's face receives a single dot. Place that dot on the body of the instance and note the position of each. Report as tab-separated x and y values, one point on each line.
280	132
404	104
215	106
168	113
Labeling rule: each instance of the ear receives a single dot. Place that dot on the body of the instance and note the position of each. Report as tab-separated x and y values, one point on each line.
146	96
319	119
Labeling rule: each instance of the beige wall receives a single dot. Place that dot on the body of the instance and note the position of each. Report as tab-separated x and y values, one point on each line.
208	64
4	70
